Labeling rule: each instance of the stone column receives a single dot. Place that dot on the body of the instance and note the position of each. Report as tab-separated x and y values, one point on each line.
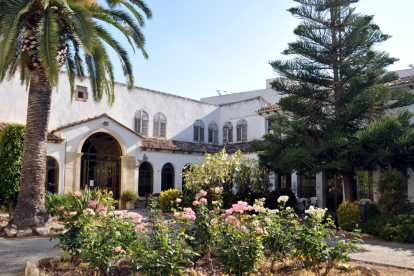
72	172
376	177
321	189
127	177
295	184
410	183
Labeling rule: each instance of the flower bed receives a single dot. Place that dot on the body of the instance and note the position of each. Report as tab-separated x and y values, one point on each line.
219	238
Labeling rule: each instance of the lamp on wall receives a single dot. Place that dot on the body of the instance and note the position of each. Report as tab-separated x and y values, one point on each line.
106	123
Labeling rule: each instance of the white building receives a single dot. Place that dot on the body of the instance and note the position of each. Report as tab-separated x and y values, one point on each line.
146	138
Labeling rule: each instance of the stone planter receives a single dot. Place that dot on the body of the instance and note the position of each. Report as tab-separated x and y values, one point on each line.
130	205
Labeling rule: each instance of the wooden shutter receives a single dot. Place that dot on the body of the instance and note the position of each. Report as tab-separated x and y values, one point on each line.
163	133
239	133
244	133
202	134
196	130
210	135
156	128
144	127
225	131
215	141
137	125
230	135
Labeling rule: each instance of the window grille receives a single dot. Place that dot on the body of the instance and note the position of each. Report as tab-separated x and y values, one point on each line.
213	133
242	130
141	120
198	131
160	125
228	132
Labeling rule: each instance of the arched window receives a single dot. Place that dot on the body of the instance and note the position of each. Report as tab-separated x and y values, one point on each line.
141	122
198	131
242	130
160	125
228	132
52	175
167	177
213	133
145	179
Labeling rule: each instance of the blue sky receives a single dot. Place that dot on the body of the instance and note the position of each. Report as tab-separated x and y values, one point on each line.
197	46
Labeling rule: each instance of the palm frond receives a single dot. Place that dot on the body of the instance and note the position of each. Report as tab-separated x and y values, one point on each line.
84	28
47	40
71	71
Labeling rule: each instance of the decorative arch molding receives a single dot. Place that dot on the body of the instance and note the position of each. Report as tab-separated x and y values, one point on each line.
119	139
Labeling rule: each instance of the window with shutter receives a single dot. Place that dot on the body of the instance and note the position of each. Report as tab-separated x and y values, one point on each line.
241	130
141	122
198	131
160	125
228	132
213	133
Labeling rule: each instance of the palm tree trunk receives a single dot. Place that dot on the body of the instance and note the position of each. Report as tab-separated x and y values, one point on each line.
30	211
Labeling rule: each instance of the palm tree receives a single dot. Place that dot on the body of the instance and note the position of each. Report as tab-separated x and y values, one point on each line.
38	37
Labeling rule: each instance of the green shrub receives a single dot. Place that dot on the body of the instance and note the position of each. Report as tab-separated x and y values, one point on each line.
348	215
228	199
11	151
249	196
166	197
53	202
398	229
368	211
393	189
129	195
271	201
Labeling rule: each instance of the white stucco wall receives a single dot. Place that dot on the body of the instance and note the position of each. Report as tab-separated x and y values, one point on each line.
268	94
57	151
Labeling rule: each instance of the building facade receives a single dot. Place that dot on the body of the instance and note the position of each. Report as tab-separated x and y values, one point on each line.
147	137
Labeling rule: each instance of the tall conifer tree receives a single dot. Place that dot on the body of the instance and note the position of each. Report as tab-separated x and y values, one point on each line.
337	111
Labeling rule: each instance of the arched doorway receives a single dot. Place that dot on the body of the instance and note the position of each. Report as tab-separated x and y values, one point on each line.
167	177
145	179
52	175
101	163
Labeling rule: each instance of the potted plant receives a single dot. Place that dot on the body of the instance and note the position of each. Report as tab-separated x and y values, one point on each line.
129	197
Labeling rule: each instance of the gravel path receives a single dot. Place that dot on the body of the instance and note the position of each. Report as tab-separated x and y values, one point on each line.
14	253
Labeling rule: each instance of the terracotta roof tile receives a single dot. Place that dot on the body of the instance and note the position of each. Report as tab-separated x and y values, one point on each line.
402	81
182	146
268	108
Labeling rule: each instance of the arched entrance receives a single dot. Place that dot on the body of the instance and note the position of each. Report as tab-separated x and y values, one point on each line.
167	177
145	179
101	163
52	175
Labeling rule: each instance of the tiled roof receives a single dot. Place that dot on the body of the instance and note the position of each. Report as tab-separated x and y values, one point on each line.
94	118
182	146
402	81
268	108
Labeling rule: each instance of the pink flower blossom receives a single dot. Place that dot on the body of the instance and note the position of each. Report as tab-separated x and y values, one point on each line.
197	196
118	248
77	193
137	218
102	208
111	193
256	223
244	229
229	211
203	200
203	193
88	211
65	212
178	200
176	214
267	219
223	215
259	230
93	203
214	202
62	207
138	228
195	202
232	220
213	222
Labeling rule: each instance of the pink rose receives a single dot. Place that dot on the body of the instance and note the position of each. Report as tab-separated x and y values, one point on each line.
223	215
176	214
213	222
111	193
204	200
77	193
195	202
178	200
118	248
266	219
62	207
214	202
138	228
197	196
102	208
65	212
